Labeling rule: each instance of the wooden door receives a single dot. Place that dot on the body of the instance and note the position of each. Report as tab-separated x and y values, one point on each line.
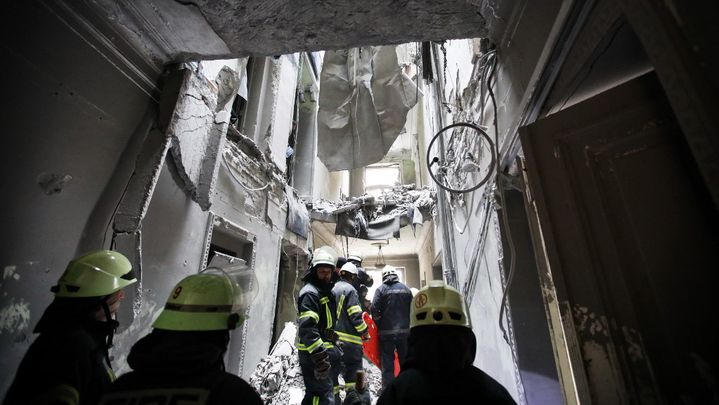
631	239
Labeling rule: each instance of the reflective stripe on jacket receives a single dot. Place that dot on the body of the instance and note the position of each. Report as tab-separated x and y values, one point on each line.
350	325
315	315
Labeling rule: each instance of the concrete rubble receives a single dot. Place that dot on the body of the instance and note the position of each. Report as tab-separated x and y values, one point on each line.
278	377
369	217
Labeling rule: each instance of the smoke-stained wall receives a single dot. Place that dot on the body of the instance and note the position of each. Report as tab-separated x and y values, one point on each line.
65	125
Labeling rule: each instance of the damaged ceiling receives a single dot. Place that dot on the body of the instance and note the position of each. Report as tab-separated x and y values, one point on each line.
174	30
284	26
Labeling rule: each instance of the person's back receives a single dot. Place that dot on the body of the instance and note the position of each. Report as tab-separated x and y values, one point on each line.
180	366
66	362
391	304
69	362
390	310
439	369
182	359
441	349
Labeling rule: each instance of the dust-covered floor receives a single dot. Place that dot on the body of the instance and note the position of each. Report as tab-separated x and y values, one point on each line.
278	377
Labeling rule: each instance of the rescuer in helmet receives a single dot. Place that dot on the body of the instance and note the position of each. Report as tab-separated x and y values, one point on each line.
316	339
182	359
438	368
350	328
362	282
390	311
69	362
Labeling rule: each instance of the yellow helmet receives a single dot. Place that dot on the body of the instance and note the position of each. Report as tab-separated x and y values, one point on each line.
438	304
202	302
95	274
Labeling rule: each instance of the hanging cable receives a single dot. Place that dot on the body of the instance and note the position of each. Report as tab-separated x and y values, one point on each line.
232	173
503	203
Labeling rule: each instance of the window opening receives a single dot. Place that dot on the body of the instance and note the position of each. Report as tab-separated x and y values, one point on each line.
381	178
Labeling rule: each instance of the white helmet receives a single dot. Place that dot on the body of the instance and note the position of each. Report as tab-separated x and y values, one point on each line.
349	267
388	271
354	256
323	255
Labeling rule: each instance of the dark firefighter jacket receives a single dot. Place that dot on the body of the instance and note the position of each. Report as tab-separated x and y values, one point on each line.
439	369
361	283
66	364
316	317
350	325
390	307
180	367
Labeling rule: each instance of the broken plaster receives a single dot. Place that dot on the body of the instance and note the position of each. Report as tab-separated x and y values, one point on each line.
198	128
15	317
52	183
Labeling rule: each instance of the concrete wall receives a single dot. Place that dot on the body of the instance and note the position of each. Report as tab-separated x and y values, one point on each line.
285	82
425	252
173	239
61	120
518	68
77	129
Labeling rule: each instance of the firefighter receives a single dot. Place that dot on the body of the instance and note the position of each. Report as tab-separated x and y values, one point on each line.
442	346
390	310
350	328
362	282
182	359
317	340
69	362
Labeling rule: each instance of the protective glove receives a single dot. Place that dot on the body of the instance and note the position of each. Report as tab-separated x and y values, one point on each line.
321	360
331	335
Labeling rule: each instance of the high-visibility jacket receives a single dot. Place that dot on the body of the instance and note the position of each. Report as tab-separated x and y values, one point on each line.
316	319
350	325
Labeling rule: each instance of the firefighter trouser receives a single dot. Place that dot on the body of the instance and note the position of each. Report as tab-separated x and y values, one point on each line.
387	345
318	392
351	363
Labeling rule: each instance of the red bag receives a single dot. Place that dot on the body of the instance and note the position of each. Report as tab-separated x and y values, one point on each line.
371	346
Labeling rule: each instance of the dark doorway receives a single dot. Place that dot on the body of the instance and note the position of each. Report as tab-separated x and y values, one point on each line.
631	237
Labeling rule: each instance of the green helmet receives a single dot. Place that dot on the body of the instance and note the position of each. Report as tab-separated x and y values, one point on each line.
438	304
202	302
95	274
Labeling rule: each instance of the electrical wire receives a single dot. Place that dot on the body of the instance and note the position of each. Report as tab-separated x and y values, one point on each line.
503	203
232	173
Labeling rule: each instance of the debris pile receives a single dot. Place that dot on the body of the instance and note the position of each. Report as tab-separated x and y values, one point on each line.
375	218
278	377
